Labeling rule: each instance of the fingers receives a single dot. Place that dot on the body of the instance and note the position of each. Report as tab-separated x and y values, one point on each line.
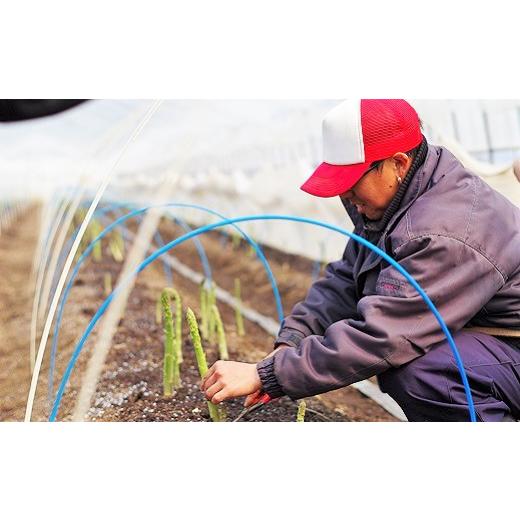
219	397
212	375
208	381
213	389
251	398
227	379
209	373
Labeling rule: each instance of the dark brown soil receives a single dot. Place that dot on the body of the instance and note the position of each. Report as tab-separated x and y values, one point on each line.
130	388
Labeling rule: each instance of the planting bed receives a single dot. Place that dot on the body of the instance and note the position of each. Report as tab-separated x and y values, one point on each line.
130	388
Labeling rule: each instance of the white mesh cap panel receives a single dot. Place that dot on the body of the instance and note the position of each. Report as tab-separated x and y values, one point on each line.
342	134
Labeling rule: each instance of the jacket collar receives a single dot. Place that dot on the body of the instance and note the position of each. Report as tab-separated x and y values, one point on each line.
418	185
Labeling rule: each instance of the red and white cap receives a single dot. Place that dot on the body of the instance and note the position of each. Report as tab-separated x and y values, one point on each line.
355	134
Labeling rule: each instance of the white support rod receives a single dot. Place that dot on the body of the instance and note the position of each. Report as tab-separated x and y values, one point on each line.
46	248
50	316
112	135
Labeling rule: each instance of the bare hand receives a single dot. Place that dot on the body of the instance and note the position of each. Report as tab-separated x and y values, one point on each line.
252	398
226	379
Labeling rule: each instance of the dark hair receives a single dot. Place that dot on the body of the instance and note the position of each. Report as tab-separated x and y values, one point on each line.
413	152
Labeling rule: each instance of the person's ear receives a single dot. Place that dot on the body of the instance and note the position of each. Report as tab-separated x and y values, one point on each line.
402	163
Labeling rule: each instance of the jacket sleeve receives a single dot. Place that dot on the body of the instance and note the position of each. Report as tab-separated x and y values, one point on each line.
329	299
394	326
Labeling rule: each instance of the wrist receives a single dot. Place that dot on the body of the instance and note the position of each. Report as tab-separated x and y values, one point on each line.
269	382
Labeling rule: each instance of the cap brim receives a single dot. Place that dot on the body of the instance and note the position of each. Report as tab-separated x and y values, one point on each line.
330	180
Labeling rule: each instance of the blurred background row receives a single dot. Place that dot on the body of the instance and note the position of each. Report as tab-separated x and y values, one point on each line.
238	157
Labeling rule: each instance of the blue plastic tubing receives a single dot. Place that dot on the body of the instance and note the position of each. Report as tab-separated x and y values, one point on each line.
159	241
198	245
166	267
202	254
209	227
99	213
200	248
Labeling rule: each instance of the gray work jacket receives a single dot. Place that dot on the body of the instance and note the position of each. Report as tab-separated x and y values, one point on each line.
457	237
